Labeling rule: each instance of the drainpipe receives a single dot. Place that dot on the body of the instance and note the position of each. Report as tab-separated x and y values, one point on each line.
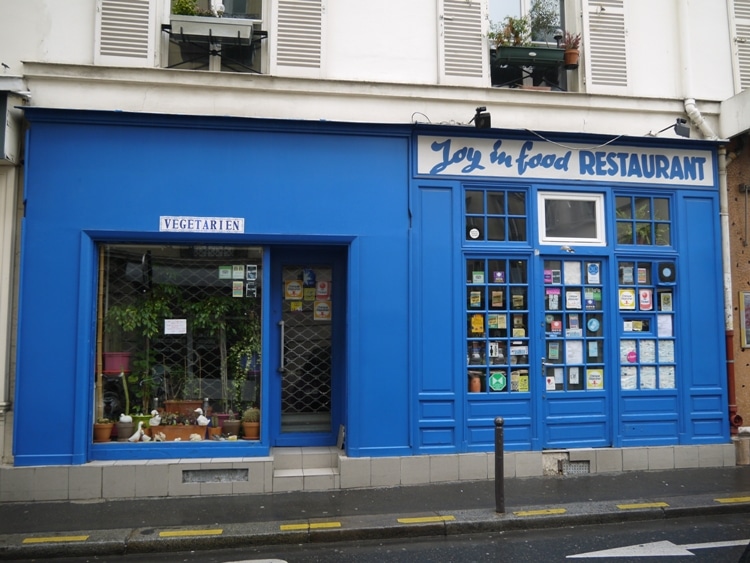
698	120
735	420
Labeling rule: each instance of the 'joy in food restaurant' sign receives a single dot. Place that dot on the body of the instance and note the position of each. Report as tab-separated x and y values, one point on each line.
508	158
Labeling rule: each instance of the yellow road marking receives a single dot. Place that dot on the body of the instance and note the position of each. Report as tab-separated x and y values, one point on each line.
314	526
642	505
425	519
319	525
735	499
542	512
294	527
186	533
53	539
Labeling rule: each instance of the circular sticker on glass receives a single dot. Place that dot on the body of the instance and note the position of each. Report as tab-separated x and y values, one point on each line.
474	233
593	325
549	318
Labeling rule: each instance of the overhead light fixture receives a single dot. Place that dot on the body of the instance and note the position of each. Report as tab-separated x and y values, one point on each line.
680	126
482	119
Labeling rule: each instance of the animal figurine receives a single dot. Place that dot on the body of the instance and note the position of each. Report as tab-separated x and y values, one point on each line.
202	420
138	434
126	418
195	438
155	419
160	437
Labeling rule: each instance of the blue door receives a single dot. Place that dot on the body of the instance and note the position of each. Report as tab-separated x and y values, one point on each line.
308	347
576	374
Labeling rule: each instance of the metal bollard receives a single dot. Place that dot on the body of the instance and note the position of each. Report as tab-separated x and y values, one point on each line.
499	466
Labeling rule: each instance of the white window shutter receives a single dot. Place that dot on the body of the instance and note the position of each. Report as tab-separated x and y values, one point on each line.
125	32
464	50
605	46
742	42
297	38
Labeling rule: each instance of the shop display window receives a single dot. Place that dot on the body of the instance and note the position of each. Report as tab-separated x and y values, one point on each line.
573	325
495	215
177	323
497	325
643	220
647	343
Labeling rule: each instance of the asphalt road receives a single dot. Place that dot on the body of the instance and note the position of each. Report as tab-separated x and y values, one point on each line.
715	539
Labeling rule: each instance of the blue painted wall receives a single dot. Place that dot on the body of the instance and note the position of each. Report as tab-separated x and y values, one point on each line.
102	176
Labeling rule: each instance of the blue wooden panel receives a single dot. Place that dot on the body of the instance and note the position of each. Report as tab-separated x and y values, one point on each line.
706	403
577	432
575	406
437	410
504	408
435	291
700	311
515	437
651	429
708	428
436	437
655	404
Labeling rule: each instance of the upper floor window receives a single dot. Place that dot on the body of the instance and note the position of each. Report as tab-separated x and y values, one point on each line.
643	220
216	35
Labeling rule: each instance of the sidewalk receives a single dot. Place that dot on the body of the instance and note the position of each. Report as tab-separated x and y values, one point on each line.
44	529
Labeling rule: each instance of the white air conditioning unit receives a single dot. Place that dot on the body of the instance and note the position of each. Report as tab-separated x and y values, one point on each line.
10	134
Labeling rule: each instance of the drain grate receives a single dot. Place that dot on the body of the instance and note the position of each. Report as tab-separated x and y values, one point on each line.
574	467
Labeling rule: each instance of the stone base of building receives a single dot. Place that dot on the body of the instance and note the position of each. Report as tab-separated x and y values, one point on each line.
321	469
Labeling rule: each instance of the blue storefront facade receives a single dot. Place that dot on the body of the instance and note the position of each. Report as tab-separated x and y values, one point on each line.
441	277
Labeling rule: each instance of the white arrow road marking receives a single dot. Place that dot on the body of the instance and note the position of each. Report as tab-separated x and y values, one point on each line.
657	549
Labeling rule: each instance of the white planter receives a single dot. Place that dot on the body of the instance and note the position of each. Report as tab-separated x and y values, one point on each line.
200	28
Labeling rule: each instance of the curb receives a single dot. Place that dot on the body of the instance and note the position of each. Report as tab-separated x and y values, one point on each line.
348	528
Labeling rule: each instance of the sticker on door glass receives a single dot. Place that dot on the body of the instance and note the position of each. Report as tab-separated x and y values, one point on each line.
293	289
627	299
323	290
594	379
322	311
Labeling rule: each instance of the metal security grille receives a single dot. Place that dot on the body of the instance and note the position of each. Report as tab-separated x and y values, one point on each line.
306	384
188	320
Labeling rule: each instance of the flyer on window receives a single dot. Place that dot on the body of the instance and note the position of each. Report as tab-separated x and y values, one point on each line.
573	299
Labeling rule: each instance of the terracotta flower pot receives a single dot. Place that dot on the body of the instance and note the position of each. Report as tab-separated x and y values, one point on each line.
251	430
103	432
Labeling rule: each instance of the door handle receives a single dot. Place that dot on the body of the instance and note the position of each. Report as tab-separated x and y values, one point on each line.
282	368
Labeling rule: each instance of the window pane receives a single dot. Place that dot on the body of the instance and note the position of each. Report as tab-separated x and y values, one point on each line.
642	208
643	233
661	209
516	203
474	228
517	229
624	232
573	218
623	208
663	236
495	228
474	202
495	203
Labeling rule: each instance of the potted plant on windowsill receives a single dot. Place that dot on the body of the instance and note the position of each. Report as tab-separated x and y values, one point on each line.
251	423
570	44
190	23
103	429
